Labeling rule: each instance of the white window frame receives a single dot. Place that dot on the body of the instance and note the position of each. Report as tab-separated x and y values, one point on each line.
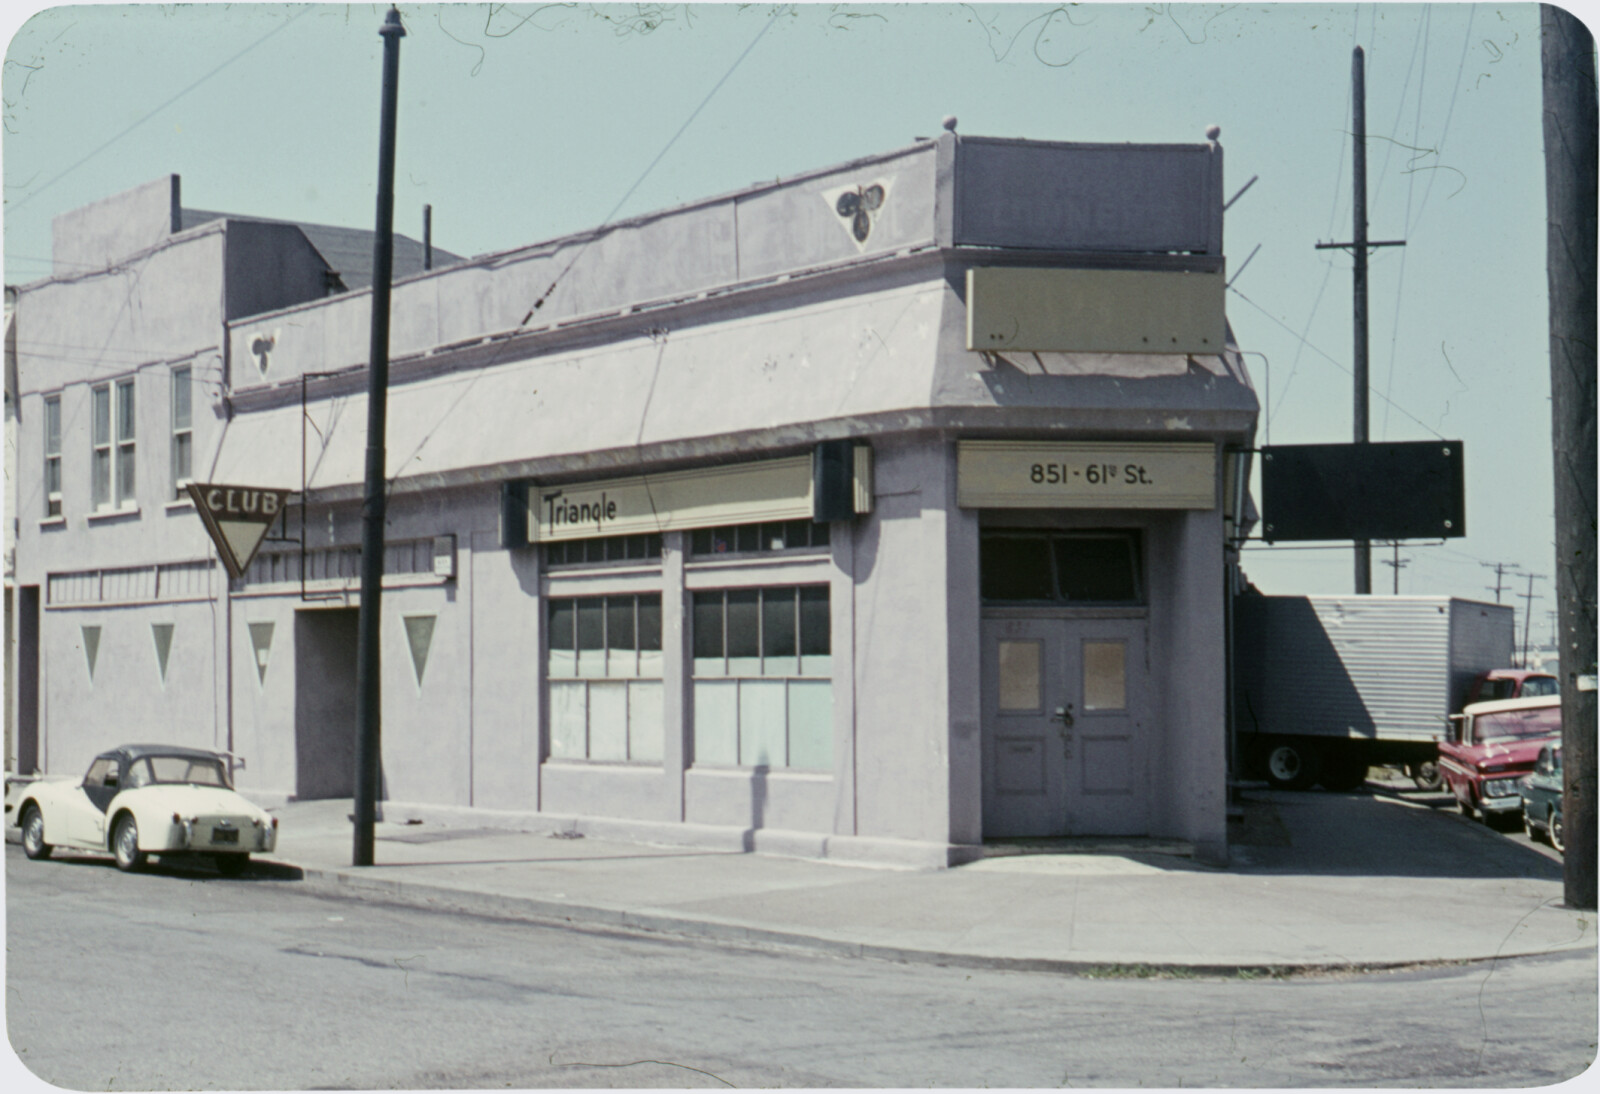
632	681
113	445
182	430
52	456
125	480
733	677
100	458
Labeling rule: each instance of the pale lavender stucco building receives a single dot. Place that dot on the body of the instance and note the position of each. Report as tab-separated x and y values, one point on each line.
1000	367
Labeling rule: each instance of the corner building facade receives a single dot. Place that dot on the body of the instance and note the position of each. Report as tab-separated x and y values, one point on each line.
867	514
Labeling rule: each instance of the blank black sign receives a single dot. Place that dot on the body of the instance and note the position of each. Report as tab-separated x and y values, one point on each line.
1410	490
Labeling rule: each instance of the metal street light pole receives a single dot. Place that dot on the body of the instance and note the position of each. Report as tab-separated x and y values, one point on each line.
369	692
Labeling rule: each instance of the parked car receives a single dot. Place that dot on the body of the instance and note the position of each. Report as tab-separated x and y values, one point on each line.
141	800
1541	798
1491	746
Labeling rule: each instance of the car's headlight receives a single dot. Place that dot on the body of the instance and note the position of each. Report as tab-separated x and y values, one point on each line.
1500	788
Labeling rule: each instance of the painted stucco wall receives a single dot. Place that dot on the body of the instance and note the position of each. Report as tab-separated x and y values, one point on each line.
1189	775
902	649
107	231
126	700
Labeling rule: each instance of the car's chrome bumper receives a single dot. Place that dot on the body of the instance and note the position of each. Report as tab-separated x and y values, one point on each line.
220	834
1512	804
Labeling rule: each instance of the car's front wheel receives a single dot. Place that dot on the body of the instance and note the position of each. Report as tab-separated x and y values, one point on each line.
33	844
232	865
125	844
1529	829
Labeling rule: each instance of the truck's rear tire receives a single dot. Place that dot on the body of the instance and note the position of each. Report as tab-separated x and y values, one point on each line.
1292	765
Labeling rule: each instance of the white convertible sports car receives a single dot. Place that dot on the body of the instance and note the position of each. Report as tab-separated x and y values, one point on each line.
141	800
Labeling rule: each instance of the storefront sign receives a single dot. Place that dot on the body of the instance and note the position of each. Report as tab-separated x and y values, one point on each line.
741	494
1085	475
1095	311
237	517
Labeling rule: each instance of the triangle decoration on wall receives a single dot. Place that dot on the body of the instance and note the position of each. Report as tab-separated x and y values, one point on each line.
91	647
261	646
162	633
419	635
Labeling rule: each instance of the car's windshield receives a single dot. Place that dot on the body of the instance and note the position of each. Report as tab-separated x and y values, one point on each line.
182	769
1517	724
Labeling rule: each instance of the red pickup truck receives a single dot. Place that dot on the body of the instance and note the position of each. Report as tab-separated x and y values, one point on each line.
1491	746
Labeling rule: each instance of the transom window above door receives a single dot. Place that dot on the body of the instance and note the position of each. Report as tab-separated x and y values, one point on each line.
1042	566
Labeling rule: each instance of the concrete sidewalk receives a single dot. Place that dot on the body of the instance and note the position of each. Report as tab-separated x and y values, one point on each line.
1375	878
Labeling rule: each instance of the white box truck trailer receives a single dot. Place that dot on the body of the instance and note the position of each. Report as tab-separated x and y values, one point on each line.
1327	686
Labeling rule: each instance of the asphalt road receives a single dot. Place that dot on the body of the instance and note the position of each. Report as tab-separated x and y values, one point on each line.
183	979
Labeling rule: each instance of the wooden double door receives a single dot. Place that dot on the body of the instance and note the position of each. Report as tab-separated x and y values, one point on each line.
1065	736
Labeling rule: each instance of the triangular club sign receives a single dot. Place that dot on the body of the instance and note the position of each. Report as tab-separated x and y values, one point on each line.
237	518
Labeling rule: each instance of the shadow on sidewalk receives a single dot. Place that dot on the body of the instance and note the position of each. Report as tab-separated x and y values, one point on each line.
566	860
1373	832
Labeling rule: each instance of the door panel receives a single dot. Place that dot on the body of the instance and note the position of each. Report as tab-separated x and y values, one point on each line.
1024	759
1064	739
1107	784
85	820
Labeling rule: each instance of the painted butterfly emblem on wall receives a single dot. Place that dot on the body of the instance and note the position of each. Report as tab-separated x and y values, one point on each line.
857	207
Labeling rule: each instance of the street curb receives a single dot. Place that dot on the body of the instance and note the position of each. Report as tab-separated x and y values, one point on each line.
338	884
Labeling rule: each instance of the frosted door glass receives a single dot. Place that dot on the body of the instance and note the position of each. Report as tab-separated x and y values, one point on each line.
608	721
568	716
644	722
716	722
811	724
1019	675
1105	676
762	714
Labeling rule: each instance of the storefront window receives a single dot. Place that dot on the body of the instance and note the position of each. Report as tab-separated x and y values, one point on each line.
763	691
604	678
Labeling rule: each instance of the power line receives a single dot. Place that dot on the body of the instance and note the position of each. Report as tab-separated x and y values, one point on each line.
539	303
1334	362
20	202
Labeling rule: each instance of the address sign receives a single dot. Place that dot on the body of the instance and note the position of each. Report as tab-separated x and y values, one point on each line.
1085	475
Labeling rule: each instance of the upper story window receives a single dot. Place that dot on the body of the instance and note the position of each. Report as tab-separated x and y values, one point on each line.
113	452
784	535
182	431
1051	567
52	456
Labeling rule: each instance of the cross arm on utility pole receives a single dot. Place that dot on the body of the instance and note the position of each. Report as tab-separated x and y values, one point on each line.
1363	243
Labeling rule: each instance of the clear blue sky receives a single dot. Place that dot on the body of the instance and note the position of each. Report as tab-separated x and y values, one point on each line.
520	122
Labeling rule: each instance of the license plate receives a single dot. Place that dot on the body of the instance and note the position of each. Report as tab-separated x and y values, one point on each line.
224	835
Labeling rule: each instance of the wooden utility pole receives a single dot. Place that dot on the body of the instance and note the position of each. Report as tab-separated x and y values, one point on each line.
1500	569
1358	247
369	687
1398	563
1527	613
1570	164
